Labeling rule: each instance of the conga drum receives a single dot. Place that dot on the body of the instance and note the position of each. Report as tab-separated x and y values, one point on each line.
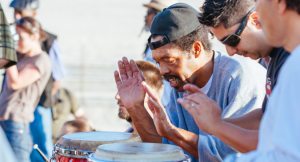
76	147
143	152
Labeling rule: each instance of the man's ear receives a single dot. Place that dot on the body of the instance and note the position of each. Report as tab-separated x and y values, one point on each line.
197	47
281	6
254	19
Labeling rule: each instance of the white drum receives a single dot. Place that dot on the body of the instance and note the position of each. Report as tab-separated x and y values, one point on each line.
77	146
142	152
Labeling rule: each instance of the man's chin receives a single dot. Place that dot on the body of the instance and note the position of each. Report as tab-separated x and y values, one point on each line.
179	88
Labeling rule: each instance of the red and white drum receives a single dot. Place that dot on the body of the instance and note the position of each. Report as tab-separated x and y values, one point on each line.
146	152
76	147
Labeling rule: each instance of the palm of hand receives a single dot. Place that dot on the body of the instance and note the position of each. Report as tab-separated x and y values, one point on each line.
131	92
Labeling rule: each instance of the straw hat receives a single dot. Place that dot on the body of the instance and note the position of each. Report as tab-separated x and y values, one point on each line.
160	4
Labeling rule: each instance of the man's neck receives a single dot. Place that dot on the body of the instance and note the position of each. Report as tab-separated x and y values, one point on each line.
134	129
292	38
203	74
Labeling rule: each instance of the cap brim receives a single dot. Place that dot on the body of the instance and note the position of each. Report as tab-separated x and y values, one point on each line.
156	6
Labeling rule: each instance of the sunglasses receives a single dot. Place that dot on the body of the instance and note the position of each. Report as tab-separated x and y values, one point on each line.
234	39
27	23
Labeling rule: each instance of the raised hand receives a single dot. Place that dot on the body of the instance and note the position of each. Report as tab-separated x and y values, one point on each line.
130	84
206	112
160	118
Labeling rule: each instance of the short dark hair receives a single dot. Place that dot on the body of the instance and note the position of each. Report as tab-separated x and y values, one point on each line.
214	13
293	5
152	75
201	34
185	43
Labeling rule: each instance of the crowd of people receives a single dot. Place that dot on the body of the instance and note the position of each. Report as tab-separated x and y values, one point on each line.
213	105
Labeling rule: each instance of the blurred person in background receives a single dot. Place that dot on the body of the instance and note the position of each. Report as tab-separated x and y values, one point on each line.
23	87
8	58
66	104
41	126
75	126
153	8
154	79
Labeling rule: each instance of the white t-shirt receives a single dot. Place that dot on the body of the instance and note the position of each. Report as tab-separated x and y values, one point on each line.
205	89
279	133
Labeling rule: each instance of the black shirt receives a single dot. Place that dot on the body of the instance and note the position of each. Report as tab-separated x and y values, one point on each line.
278	57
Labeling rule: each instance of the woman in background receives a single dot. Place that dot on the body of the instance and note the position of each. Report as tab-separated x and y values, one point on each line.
23	87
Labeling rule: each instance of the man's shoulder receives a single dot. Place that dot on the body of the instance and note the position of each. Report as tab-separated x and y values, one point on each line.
237	65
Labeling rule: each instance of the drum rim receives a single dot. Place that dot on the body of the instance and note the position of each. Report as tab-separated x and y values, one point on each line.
71	153
187	159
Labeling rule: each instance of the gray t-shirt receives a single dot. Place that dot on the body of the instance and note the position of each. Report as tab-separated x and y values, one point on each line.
237	86
19	105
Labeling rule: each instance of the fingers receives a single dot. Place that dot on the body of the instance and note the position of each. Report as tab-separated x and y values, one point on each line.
152	94
122	71
117	78
156	109
151	105
192	89
187	104
197	98
127	67
134	69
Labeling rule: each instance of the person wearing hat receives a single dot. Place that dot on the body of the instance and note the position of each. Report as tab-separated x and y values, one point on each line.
41	127
182	48
155	7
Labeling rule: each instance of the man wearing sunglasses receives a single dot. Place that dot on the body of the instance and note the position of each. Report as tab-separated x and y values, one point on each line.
182	48
236	25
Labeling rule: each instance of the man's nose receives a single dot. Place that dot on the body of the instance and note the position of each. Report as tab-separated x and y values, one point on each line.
117	97
231	50
164	70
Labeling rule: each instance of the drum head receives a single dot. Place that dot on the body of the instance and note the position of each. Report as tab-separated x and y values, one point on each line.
139	152
89	141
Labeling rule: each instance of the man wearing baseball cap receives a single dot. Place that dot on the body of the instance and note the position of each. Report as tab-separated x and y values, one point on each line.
181	47
155	7
41	127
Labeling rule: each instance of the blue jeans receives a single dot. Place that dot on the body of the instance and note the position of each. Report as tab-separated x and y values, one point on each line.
19	137
41	129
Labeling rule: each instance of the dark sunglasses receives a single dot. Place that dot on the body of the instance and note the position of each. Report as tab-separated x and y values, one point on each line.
234	39
27	23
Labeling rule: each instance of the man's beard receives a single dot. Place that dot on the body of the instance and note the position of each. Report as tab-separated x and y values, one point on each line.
123	114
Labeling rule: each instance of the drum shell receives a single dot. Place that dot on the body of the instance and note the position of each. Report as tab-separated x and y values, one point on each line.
91	159
80	149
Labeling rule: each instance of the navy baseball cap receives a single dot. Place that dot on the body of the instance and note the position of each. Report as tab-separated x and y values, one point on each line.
173	22
25	4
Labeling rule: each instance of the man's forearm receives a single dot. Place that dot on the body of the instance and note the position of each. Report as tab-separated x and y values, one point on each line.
185	139
240	139
144	125
250	121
